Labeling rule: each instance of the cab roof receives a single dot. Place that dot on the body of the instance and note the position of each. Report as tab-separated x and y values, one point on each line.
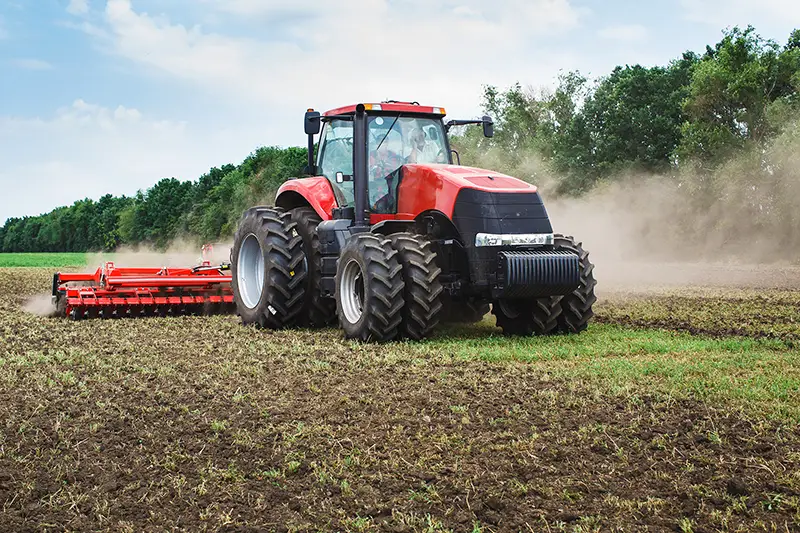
391	106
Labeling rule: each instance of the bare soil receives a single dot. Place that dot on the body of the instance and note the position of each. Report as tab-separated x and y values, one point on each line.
201	424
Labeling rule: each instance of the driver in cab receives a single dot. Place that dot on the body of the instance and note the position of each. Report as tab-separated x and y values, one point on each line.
423	150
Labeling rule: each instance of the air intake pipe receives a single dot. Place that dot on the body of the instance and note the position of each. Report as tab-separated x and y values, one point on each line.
360	180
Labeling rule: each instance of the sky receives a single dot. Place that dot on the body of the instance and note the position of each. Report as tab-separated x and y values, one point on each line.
109	96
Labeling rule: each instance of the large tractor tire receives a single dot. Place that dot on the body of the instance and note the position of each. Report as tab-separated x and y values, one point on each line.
576	307
268	269
369	289
317	311
537	316
423	290
463	311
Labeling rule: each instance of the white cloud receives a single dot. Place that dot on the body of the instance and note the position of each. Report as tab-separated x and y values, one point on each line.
31	64
78	7
624	33
86	150
393	53
742	12
533	15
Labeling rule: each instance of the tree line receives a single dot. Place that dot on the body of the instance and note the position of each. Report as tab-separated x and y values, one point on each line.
686	121
203	210
694	113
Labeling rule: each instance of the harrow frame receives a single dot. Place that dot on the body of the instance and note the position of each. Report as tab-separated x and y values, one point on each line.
112	292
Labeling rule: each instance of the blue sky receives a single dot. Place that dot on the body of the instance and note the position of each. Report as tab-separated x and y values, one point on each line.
108	96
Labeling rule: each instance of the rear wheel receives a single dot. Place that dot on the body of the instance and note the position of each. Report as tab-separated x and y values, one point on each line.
576	307
317	310
268	268
527	317
423	291
369	289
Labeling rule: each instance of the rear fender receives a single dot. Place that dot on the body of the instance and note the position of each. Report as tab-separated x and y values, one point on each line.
315	192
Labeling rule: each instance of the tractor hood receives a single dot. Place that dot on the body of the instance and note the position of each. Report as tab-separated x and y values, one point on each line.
474	178
438	187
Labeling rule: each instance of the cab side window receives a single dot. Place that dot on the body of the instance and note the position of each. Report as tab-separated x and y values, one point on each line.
336	155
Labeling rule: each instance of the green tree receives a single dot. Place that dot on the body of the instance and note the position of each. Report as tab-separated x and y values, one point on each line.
732	91
634	116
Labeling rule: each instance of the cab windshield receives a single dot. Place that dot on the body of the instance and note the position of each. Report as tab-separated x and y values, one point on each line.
393	141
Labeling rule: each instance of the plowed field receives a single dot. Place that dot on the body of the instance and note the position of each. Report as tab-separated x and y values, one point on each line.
676	411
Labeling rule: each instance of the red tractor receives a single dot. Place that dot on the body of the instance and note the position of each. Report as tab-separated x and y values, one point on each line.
392	238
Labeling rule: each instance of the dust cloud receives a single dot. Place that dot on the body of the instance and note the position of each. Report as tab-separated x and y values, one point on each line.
737	226
40	305
177	254
642	234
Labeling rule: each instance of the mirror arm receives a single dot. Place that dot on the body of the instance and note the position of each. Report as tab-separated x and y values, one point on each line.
450	123
311	170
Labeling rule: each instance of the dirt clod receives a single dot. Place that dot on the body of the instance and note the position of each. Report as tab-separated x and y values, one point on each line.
736	487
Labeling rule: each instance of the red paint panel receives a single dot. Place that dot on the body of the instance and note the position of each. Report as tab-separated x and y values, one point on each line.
398	107
317	191
426	187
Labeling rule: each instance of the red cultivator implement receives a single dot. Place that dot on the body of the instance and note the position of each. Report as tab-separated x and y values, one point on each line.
113	292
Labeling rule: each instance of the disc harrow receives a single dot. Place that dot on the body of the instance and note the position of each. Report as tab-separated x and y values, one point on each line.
114	292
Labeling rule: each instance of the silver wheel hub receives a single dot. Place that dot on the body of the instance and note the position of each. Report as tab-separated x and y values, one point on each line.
351	292
250	271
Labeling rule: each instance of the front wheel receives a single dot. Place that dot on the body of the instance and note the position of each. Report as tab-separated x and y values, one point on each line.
576	307
369	289
423	290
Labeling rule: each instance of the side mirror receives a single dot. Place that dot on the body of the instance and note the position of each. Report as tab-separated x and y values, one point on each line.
488	126
312	122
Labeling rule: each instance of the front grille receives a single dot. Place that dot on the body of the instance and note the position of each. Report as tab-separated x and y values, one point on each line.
538	273
497	212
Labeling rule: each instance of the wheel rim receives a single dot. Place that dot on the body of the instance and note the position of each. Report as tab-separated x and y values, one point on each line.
351	291
250	271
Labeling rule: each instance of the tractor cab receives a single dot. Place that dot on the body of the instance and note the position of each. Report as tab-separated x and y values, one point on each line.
392	141
397	134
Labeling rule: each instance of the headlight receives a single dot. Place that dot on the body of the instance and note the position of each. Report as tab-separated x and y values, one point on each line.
522	239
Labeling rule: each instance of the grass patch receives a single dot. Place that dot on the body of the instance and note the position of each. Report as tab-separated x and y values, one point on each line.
48	260
761	375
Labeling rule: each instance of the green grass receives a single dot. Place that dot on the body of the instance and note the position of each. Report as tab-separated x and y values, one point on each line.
47	260
761	375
